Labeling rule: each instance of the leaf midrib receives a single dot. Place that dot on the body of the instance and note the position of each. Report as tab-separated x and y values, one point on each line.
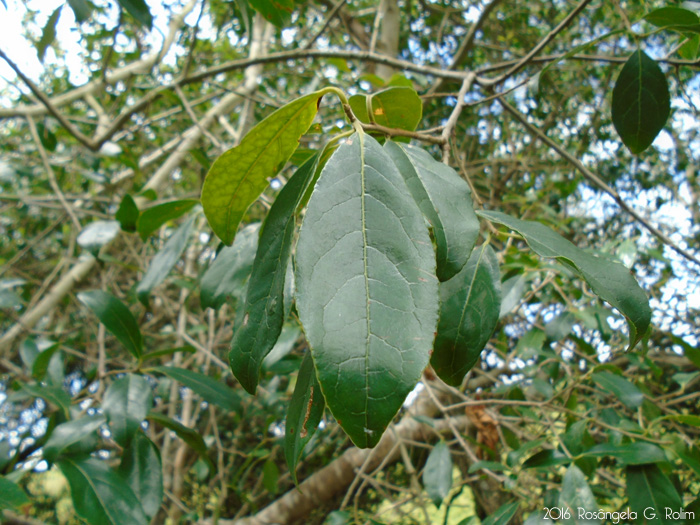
365	272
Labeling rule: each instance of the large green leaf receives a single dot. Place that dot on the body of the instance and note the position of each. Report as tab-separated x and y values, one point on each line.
650	493
547	458
228	273
154	217
397	107
239	176
445	200
366	288
577	497
637	453
263	312
11	496
620	388
116	317
70	433
675	18
164	260
211	390
139	10
141	468
469	306
126	403
188	435
609	279
100	495
437	474
303	415
640	102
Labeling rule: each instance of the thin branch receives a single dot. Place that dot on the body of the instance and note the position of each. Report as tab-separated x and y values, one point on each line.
454	116
331	15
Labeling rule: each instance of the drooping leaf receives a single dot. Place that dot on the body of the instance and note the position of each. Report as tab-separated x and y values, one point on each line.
469	306
11	496
228	273
154	217
637	453
116	317
239	176
188	435
263	312
398	107
366	288
277	12
100	495
81	9
139	10
303	415
578	497
67	434
271	476
96	234
141	468
445	200
126	403
610	280
640	102
164	261
620	388
48	34
128	214
649	490
211	390
437	474
675	18
503	515
547	458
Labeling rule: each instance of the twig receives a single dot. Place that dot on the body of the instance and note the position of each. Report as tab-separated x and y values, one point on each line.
329	19
454	116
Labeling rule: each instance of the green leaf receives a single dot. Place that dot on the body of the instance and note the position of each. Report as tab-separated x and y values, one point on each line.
167	351
366	288
503	515
620	388
398	107
128	214
640	102
81	9
690	456
650	493
51	394
96	234
303	415
48	34
445	200
164	261
577	496
271	476
437	474
67	434
490	465
11	496
239	176
188	435
141	468
28	352
547	458
469	306
126	403
154	217
139	10
611	281
263	312
675	18
212	391
277	12
116	317
100	495
637	453
42	361
228	273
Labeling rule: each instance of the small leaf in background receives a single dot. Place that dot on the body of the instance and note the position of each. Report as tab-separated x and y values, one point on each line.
228	274
48	34
188	435
609	280
263	312
154	217
620	388
46	136
128	214
51	394
271	476
437	474
445	200
96	234
578	497
73	432
141	468
277	12
547	458
503	515
139	10
164	261
116	317
82	9
637	453
398	107
640	102
100	495
11	495
211	390
649	488
675	18
470	303
303	415
239	176
167	351
512	290
43	360
28	352
126	403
